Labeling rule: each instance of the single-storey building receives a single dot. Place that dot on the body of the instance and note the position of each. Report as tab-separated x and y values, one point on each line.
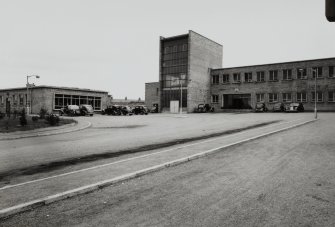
50	98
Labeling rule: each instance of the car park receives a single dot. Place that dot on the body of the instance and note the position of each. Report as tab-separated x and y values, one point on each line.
294	107
140	110
279	107
70	110
261	107
86	110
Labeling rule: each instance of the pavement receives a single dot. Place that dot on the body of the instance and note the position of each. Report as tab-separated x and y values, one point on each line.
18	197
79	124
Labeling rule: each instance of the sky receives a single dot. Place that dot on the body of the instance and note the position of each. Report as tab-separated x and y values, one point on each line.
113	45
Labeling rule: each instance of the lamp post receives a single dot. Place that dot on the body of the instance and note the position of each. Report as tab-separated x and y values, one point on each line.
28	104
315	95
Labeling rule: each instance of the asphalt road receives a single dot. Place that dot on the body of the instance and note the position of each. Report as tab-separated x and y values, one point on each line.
110	134
286	179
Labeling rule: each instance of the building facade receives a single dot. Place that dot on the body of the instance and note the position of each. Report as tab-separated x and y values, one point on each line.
50	98
152	94
243	87
191	72
184	70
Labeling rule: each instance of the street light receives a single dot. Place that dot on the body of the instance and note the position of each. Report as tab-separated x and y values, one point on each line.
316	75
29	105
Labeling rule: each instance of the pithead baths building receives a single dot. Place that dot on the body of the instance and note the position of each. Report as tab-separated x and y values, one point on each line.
191	73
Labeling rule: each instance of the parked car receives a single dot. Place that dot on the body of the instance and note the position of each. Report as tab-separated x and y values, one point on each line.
112	110
294	107
126	110
86	110
260	107
140	110
204	108
154	109
71	110
279	107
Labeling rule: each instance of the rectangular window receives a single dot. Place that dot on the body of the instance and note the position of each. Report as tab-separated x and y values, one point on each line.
287	97
62	100
215	79
248	77
301	97
319	96
225	78
301	73
1	100
237	77
287	74
331	71
215	99
331	96
273	97
260	76
21	99
260	98
273	75
184	47
317	71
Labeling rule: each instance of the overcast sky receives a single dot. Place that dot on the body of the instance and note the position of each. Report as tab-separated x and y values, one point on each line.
113	45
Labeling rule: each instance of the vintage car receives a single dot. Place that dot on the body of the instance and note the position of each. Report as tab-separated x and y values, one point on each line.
112	110
294	107
204	108
86	110
279	107
140	110
260	107
70	110
126	110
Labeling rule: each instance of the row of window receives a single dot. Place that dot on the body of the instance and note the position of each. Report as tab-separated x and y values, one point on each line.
15	99
175	48
287	97
287	74
62	100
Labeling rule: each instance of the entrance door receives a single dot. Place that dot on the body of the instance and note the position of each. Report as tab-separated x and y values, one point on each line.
174	106
7	107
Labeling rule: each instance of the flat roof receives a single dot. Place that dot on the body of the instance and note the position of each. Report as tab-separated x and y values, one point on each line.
54	87
280	63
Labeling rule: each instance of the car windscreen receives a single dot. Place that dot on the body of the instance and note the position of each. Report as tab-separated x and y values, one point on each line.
89	107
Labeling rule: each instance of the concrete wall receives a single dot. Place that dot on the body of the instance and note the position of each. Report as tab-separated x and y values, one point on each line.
152	94
293	86
204	54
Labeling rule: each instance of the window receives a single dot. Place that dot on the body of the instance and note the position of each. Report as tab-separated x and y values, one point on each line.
215	99
287	97
301	97
301	73
14	100
157	91
260	76
1	100
273	75
317	71
175	48
273	97
166	50
62	100
331	96
260	97
331	71
215	79
184	47
21	99
287	74
248	77
319	96
225	78
237	77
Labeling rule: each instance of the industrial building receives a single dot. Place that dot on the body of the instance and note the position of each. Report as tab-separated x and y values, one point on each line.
50	98
191	73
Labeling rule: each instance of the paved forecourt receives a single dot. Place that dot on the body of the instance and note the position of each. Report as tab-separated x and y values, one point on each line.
26	195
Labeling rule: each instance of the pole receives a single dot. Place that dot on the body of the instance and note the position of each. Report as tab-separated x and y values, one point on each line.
181	97
27	107
315	110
